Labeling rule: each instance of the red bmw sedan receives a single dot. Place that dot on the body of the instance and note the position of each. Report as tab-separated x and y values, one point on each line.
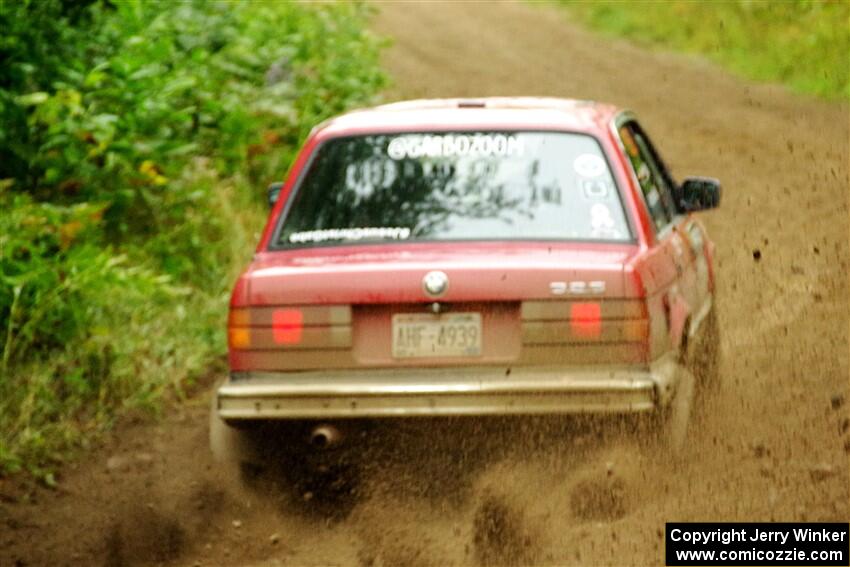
473	257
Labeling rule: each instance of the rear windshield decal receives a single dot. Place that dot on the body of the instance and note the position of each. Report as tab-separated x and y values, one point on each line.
367	233
448	145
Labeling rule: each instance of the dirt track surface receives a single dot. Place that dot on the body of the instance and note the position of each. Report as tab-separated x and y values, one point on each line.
773	442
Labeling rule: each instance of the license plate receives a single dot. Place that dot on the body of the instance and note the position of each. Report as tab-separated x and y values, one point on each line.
421	335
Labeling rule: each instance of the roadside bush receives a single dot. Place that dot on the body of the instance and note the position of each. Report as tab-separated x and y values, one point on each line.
135	140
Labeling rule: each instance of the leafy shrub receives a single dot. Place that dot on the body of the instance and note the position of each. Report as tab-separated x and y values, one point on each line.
135	138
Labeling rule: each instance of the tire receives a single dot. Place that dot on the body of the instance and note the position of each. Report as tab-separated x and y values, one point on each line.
704	356
698	374
673	422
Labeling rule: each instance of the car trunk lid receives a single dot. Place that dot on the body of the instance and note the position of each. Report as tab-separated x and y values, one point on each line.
476	272
505	304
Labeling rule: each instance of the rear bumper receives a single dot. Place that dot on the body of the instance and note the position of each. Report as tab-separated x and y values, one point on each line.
443	392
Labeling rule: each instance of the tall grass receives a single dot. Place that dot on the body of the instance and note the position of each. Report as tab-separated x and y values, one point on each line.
802	43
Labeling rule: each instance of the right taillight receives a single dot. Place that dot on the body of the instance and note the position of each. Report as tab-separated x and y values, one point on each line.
585	320
602	321
635	330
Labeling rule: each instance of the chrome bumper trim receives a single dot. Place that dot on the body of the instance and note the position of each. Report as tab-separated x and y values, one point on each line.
441	392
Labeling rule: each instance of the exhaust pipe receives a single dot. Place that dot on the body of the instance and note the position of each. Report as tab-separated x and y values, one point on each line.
325	436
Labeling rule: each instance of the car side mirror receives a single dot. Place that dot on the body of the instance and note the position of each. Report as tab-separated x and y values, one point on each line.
699	194
273	192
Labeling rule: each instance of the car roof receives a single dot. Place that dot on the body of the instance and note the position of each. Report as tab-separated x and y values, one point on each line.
547	113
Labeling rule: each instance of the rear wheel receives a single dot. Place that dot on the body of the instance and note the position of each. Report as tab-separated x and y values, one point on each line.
697	375
673	422
704	357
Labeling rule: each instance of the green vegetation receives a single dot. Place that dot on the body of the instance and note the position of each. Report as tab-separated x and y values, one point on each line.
802	43
136	138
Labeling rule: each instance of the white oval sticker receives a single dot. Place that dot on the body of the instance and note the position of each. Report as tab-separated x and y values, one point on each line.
589	165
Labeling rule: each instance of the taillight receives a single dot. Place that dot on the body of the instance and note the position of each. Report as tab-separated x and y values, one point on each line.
303	327
239	329
287	326
586	320
604	321
239	338
636	330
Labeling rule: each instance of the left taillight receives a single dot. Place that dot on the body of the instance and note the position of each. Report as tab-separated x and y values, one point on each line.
289	327
239	329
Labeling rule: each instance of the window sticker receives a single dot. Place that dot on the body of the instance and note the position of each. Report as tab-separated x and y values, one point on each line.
600	216
602	224
367	233
589	165
448	145
595	188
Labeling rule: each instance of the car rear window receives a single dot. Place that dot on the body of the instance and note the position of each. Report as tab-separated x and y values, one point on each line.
455	186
